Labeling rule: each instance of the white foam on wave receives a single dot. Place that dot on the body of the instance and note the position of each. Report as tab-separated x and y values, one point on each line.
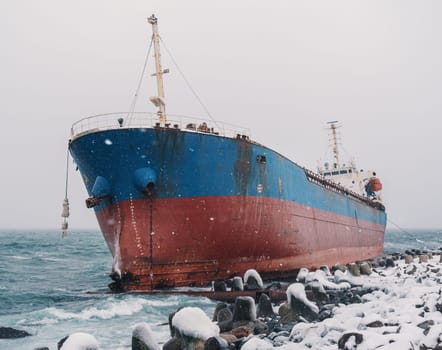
43	322
109	310
52	259
19	257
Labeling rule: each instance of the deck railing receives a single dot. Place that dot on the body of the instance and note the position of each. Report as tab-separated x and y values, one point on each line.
321	181
127	120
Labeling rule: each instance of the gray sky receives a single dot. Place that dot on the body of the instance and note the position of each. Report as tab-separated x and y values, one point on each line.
282	68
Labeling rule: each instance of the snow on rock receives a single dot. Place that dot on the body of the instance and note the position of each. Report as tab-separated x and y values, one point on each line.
254	274
193	322
321	277
237	283
325	269
309	333
80	341
346	276
398	308
257	344
245	309
433	337
297	291
406	308
143	333
302	274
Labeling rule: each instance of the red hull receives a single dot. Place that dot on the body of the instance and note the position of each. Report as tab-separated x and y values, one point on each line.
197	240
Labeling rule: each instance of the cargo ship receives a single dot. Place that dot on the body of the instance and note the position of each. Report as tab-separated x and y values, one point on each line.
183	202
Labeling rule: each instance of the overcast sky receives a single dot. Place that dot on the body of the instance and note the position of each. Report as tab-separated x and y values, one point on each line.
282	68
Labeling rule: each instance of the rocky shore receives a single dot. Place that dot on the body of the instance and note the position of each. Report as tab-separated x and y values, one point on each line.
394	302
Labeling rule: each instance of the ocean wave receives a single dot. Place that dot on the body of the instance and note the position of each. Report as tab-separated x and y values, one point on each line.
43	322
51	259
109	310
19	257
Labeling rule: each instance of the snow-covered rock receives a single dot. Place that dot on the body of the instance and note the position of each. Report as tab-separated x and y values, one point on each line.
297	291
143	338
193	322
253	280
80	341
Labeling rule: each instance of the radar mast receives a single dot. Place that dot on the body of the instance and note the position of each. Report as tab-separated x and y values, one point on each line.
334	134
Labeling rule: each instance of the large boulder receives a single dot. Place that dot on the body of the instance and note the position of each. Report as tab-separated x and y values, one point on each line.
299	306
354	269
80	341
257	344
339	267
253	280
225	320
408	258
220	286
264	307
350	340
174	344
216	343
237	284
193	326
365	269
389	262
11	333
143	338
218	308
245	309
302	274
423	258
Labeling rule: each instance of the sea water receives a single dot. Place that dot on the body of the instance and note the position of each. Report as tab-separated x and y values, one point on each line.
52	287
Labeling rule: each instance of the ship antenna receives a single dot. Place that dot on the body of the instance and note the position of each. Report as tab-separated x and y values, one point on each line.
159	101
333	127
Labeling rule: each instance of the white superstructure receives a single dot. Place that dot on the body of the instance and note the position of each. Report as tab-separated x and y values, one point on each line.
346	174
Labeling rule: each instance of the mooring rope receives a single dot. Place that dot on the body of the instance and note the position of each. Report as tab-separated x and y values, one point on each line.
400	228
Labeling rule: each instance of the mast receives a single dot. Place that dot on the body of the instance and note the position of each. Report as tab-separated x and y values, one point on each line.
159	101
333	127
